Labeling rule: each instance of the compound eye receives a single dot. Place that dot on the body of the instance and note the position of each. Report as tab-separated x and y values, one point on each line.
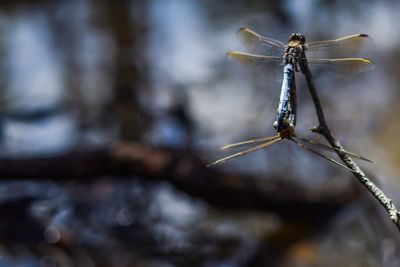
298	37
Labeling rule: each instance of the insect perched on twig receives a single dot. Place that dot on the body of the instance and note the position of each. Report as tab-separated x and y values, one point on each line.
293	59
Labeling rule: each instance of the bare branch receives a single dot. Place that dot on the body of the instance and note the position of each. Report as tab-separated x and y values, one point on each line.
324	130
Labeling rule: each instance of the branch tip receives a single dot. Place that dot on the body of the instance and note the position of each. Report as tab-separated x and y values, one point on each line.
316	129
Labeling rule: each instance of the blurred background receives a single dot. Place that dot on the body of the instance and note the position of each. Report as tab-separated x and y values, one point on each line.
110	111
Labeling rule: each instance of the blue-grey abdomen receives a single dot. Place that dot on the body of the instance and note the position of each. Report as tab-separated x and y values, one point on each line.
284	99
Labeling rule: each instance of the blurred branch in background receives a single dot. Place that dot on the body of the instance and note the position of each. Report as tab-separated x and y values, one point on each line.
128	23
187	172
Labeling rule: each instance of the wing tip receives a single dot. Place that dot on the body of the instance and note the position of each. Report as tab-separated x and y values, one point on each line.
244	32
243	29
233	54
230	54
371	63
366	37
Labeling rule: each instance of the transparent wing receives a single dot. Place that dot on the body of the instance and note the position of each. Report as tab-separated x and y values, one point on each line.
346	66
248	142
247	151
342	47
259	44
329	148
321	155
264	63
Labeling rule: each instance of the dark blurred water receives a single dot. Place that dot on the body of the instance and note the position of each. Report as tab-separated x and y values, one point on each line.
75	73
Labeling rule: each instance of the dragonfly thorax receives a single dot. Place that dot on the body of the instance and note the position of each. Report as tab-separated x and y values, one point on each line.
292	56
294	49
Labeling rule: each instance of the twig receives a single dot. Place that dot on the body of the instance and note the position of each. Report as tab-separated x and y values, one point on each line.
324	130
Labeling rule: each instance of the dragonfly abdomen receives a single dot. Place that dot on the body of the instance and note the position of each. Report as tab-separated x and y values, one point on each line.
284	108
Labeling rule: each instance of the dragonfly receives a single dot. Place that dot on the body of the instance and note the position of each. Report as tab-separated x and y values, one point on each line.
293	59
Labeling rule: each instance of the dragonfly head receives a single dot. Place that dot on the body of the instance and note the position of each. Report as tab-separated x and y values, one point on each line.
297	38
284	128
287	132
